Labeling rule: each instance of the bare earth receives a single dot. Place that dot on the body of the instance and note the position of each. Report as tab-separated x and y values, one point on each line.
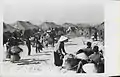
42	63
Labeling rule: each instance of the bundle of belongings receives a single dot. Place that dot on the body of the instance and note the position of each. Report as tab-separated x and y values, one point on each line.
14	53
86	60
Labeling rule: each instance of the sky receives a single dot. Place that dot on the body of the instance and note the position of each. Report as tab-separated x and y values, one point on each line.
59	11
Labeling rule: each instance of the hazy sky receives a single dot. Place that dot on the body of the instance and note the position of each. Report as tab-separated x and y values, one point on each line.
60	11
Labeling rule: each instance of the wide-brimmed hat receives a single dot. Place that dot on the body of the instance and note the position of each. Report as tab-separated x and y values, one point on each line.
62	38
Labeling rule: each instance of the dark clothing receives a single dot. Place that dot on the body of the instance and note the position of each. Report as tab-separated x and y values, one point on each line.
88	51
38	46
52	35
58	55
61	48
53	40
95	36
28	43
12	41
57	59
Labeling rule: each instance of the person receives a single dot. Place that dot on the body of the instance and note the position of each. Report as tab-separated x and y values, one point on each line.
98	59
58	54
88	51
53	36
95	35
96	56
28	43
83	56
10	42
60	44
38	46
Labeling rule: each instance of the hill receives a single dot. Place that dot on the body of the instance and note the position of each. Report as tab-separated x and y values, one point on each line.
7	27
24	25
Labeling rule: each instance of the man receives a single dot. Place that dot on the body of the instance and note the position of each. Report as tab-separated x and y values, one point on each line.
53	36
28	43
38	46
98	59
95	35
88	51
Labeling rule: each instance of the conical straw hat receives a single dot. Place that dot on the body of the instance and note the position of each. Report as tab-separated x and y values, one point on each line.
90	68
62	38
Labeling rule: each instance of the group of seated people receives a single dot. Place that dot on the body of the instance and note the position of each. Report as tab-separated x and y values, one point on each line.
85	58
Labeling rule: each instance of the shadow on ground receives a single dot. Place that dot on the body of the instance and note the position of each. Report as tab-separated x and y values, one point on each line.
31	61
70	44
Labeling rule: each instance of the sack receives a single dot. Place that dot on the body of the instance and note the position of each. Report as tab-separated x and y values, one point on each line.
89	68
58	61
15	58
82	56
15	49
70	62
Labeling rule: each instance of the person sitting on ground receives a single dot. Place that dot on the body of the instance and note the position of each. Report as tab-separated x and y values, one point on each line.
88	51
83	56
98	59
96	56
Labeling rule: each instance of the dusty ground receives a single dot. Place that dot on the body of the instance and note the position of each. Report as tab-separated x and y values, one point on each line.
42	63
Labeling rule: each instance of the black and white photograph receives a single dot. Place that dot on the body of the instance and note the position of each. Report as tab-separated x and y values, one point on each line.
53	36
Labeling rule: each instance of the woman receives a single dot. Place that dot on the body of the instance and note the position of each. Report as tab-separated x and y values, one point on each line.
58	54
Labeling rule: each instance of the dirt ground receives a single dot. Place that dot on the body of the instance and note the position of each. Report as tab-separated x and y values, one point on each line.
42	63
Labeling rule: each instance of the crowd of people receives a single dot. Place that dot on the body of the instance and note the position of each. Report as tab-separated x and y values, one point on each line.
38	40
63	59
